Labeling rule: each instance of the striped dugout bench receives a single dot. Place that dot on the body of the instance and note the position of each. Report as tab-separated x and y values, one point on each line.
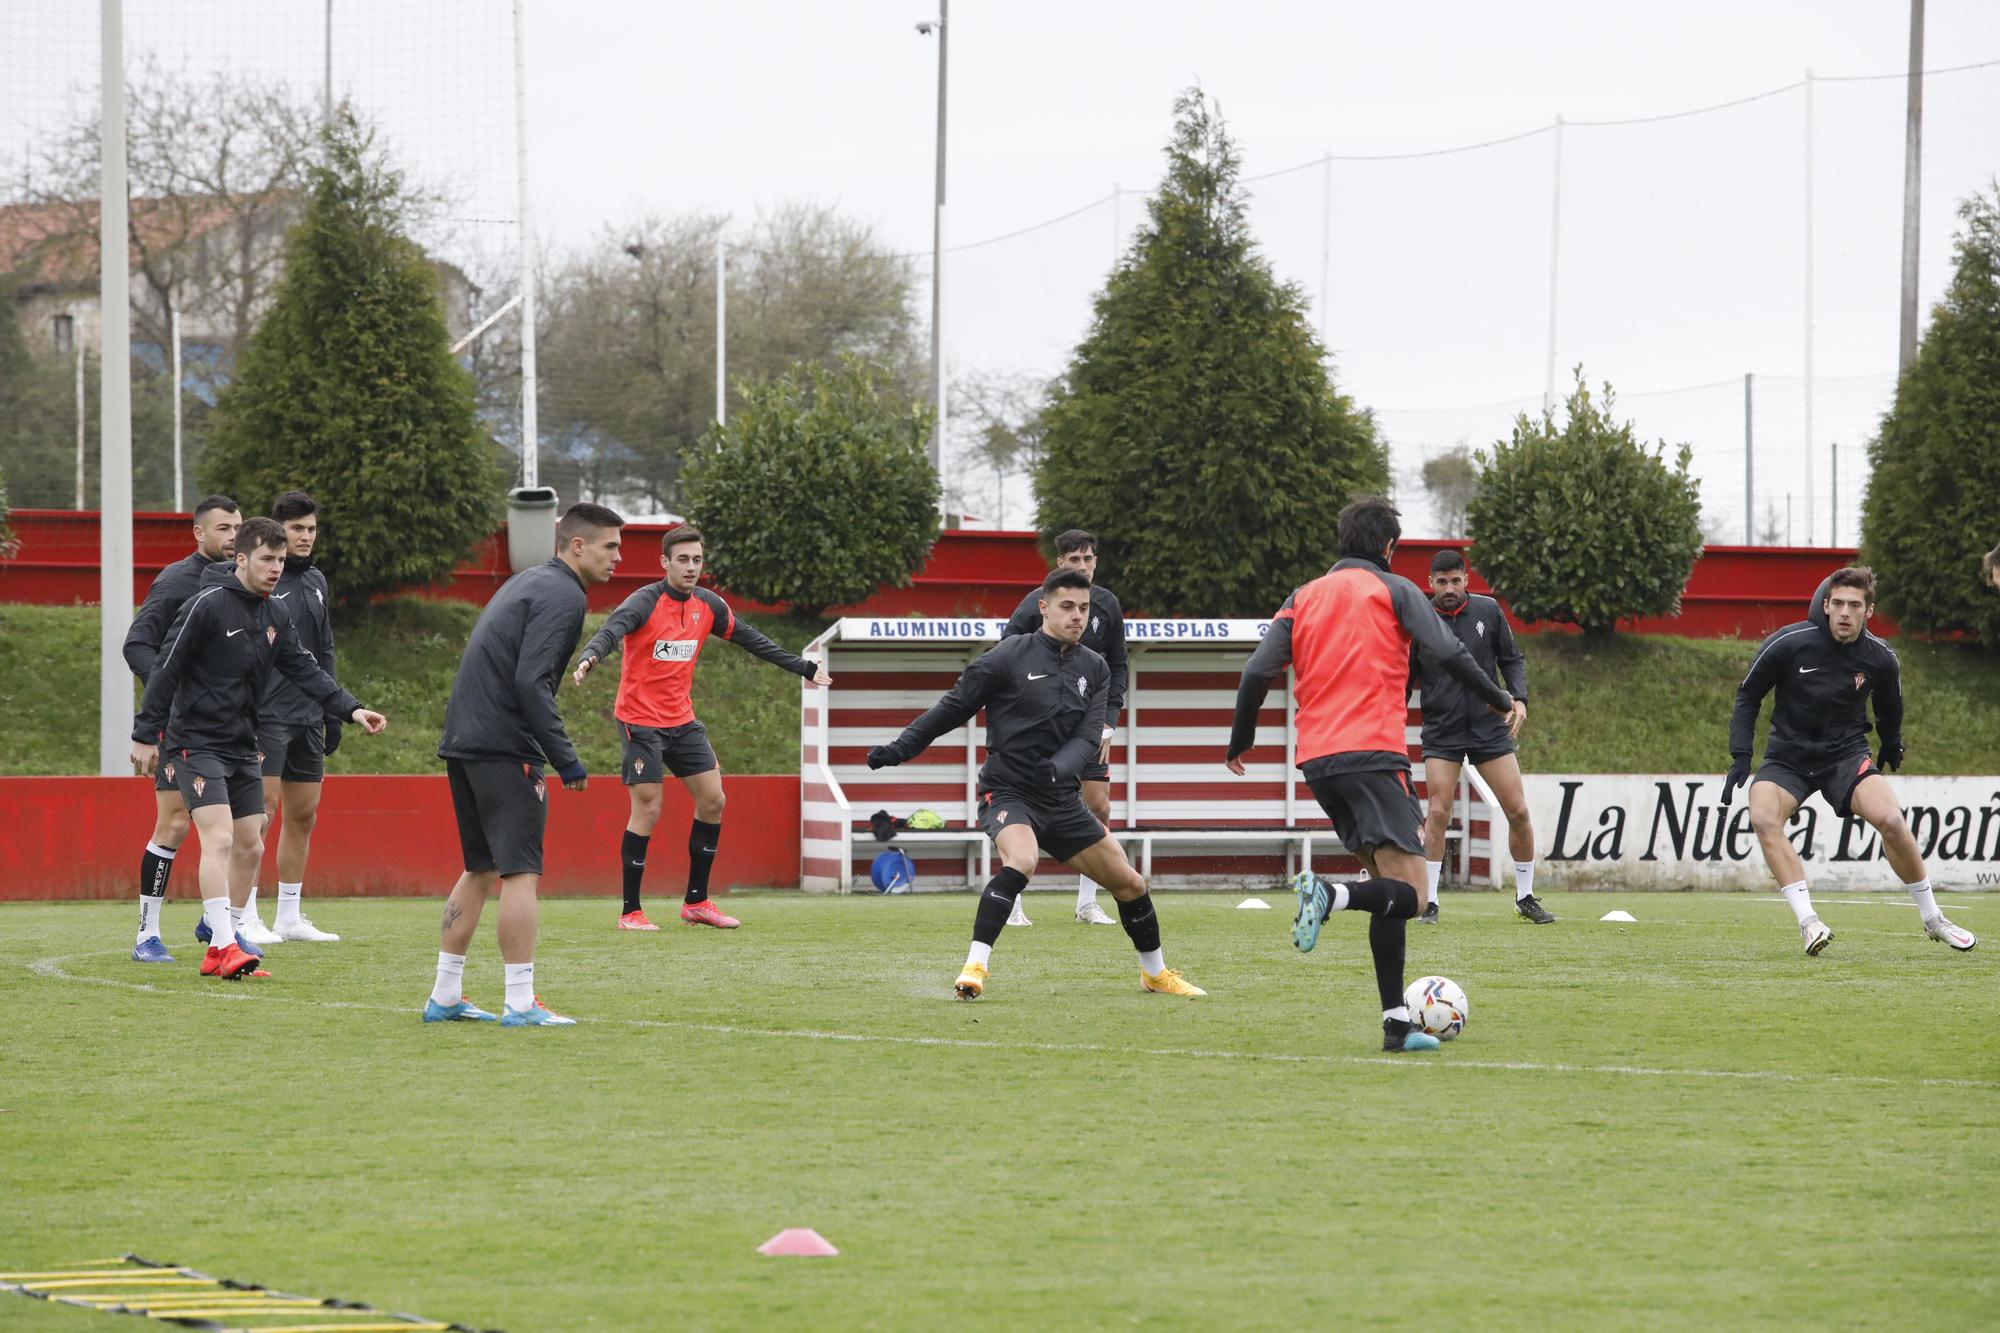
1183	819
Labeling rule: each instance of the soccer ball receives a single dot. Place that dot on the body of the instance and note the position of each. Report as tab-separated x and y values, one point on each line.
1437	1006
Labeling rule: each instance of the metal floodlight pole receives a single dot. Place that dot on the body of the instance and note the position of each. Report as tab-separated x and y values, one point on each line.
114	526
82	414
326	88
1913	170
1555	253
530	425
174	322
1749	468
943	29
721	330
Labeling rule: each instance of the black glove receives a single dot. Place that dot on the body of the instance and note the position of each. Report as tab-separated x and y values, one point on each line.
1739	773
332	735
1891	757
882	756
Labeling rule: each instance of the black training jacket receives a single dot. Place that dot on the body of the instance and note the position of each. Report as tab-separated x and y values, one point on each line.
1104	634
1454	719
1044	705
503	701
208	687
1823	688
302	588
164	600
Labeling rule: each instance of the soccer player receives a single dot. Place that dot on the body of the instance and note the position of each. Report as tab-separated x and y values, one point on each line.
216	519
500	726
661	629
206	693
1348	634
294	733
1044	695
1459	730
1104	634
1825	670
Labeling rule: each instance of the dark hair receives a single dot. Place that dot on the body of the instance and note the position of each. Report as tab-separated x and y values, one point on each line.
257	532
1854	576
1447	560
208	502
1368	525
585	520
1064	578
1076	539
293	504
679	535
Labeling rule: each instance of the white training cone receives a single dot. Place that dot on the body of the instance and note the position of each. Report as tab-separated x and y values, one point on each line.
1618	916
1253	905
797	1240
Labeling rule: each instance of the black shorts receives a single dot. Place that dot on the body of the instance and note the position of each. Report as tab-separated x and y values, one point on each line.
1836	781
1484	753
1063	826
502	808
293	751
214	779
1095	773
653	752
1372	809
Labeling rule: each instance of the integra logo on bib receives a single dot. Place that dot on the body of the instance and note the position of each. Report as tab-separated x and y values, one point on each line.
673	650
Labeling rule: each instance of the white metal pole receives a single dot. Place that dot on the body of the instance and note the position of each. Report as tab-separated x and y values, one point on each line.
76	335
1325	244
1913	170
937	260
1749	466
1555	252
1809	310
114	525
174	321
326	87
530	425
721	330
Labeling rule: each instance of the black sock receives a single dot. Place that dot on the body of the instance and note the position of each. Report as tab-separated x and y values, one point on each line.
632	860
1141	922
1385	941
1383	897
996	904
703	839
153	872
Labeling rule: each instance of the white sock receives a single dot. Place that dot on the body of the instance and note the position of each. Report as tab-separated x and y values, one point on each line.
149	917
1336	897
520	986
1153	962
1401	1013
288	901
220	927
1086	891
1801	901
1433	872
449	988
250	907
1926	900
1524	880
236	920
981	954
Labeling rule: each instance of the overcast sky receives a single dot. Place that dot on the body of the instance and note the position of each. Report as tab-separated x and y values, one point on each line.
637	104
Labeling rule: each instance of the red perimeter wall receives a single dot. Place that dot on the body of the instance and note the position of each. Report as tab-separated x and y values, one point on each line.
65	838
1735	591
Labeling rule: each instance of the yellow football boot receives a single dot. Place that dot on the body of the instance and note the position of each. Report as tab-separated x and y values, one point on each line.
1170	982
971	983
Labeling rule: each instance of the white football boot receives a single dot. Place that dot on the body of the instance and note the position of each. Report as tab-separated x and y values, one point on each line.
1090	914
1019	916
1816	935
1956	936
302	928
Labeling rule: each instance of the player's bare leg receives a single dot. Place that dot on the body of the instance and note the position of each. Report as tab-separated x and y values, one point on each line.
647	800
1097	800
1391	895
1771	807
704	836
230	850
1503	775
299	802
461	919
1104	861
1441	790
1874	800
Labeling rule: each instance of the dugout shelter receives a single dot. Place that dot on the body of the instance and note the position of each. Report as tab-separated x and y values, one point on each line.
1183	818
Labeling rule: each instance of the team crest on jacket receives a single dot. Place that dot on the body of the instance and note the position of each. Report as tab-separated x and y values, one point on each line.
1479	628
1082	686
270	634
1095	621
1860	680
198	785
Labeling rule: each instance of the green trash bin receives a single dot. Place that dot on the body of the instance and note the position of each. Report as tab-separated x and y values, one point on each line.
531	526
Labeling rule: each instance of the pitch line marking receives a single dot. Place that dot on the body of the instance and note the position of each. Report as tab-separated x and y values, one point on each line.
52	969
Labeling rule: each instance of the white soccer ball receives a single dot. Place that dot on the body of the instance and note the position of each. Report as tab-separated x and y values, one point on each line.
1437	1006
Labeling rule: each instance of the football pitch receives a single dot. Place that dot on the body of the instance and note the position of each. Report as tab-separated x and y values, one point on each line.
1682	1121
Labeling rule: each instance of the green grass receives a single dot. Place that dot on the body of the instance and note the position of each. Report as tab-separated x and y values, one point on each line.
1634	705
1682	1122
398	657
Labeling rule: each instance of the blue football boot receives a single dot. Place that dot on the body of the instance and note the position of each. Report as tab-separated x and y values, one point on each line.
465	1011
538	1016
1402	1035
1313	908
151	950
